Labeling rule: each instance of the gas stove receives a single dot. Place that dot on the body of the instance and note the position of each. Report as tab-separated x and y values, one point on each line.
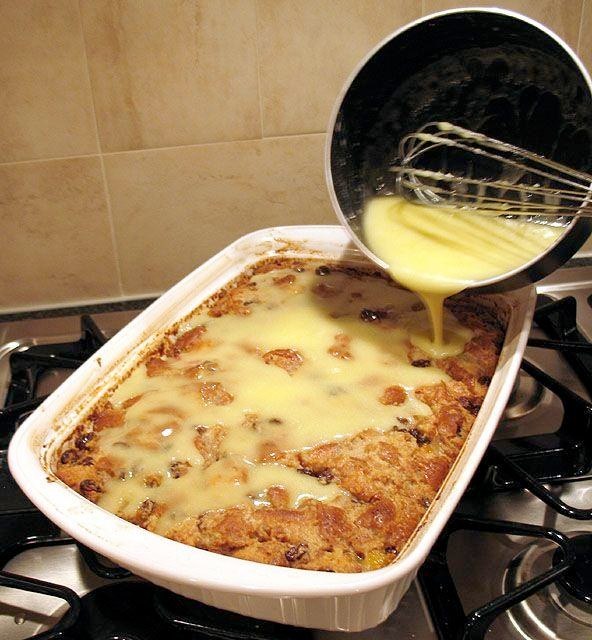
515	561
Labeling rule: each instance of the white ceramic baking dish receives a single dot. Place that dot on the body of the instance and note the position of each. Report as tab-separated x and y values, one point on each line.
299	597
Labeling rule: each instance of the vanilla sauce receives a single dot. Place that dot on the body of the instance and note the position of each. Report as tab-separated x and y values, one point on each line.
438	252
327	399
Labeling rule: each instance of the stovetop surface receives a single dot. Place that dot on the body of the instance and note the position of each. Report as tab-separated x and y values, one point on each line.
482	565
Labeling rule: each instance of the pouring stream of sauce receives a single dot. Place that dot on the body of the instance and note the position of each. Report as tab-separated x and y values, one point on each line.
438	253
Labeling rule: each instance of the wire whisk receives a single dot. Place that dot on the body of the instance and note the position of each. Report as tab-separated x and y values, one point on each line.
449	166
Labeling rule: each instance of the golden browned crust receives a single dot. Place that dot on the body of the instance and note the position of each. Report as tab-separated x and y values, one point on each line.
392	476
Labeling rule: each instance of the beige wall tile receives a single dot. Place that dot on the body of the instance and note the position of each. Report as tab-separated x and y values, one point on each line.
45	99
56	241
307	50
585	48
173	208
172	73
562	16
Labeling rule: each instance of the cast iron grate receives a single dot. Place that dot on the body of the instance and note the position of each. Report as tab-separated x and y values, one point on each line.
566	453
113	610
29	365
130	609
109	611
442	598
527	463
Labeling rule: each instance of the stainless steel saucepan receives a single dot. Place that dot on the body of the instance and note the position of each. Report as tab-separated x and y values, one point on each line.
488	70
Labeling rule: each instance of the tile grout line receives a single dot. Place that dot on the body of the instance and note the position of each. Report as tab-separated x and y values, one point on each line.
149	149
111	225
259	67
216	142
101	160
52	159
581	27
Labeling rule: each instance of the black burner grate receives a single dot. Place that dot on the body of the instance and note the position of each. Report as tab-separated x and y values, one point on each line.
128	609
567	452
440	592
526	463
133	609
558	319
27	367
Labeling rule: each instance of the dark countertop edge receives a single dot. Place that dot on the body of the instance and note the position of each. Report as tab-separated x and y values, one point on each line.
104	307
127	305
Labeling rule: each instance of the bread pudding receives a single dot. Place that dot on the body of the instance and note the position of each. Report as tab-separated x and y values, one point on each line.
295	418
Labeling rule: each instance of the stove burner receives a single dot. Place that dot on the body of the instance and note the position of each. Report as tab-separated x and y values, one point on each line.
535	605
525	398
132	610
552	613
123	610
558	318
208	622
30	367
578	580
